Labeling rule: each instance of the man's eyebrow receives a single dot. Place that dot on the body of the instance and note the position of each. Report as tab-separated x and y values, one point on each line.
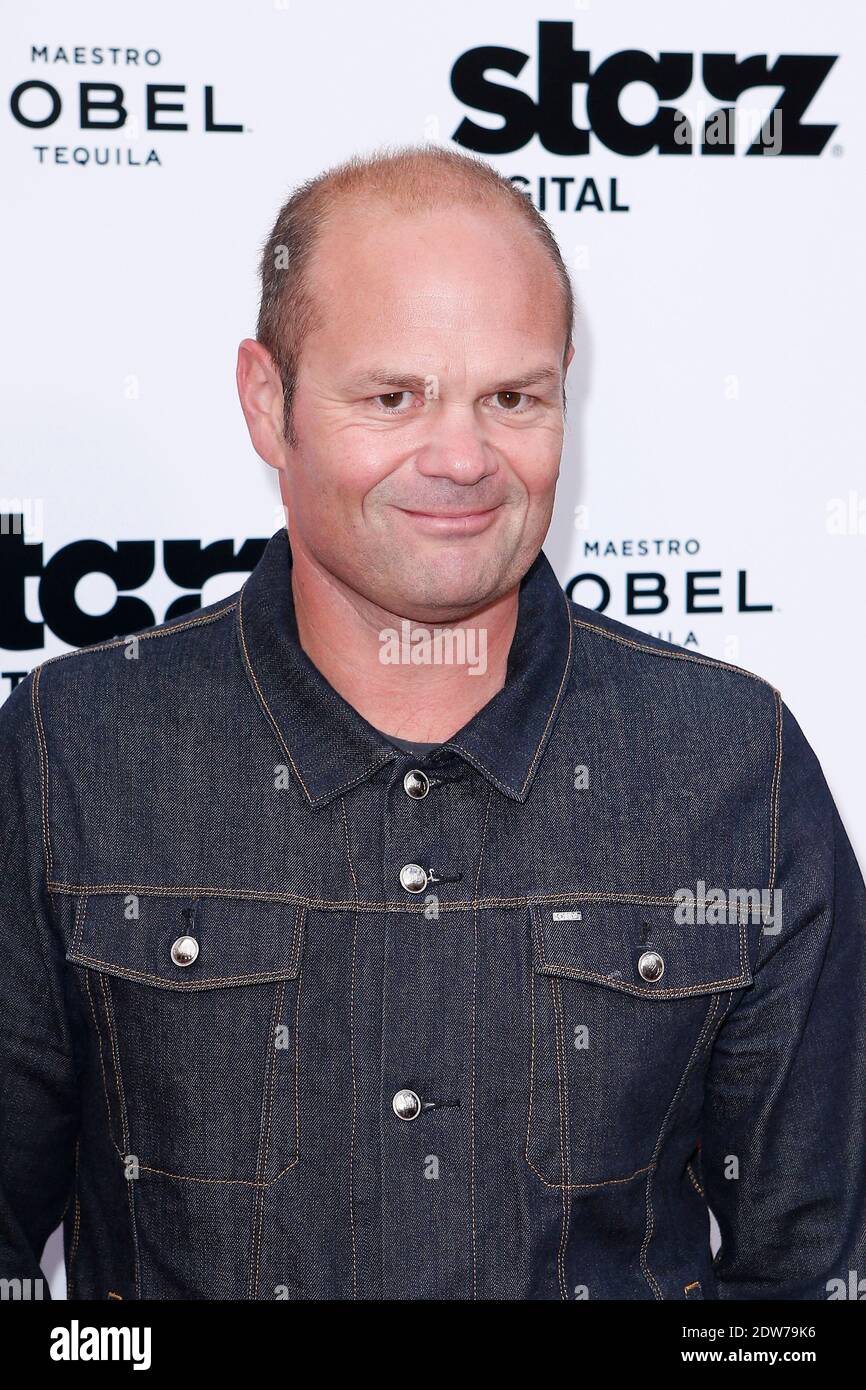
409	381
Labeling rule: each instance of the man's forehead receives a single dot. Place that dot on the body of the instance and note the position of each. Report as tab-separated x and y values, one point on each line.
435	329
383	355
445	307
443	280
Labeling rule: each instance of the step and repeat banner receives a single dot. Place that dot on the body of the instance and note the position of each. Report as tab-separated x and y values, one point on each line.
702	169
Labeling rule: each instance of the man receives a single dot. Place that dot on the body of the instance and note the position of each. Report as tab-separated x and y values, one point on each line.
398	928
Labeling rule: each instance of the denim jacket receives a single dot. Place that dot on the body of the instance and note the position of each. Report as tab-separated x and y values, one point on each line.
290	1013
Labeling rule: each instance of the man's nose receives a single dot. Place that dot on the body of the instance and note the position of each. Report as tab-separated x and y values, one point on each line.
456	447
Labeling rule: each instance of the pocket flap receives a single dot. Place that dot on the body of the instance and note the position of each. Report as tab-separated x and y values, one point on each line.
639	948
240	940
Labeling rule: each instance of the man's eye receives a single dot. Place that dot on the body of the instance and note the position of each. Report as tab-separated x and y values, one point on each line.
509	402
391	401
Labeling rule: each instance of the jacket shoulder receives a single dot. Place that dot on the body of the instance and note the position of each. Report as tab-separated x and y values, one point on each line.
189	640
633	648
698	699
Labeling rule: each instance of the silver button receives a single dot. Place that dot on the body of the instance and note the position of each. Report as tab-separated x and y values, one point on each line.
406	1105
413	878
416	783
184	950
651	966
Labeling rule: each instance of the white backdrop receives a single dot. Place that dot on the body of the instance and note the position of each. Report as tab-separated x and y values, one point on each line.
716	399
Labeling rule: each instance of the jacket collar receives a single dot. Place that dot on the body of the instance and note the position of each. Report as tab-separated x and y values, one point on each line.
331	747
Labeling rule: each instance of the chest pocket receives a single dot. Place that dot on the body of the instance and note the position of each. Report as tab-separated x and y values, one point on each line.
194	1004
623	1003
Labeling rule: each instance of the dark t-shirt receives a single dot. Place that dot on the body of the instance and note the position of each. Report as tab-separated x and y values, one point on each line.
410	745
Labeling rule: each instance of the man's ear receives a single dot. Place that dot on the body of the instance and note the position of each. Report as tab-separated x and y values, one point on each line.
568	357
261	396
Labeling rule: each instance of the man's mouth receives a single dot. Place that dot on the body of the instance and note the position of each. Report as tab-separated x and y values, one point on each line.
466	522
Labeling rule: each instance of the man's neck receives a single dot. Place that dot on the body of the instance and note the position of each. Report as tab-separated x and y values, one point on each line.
341	633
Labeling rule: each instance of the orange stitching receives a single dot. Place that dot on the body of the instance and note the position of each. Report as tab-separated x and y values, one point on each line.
352	1056
774	791
99	1047
165	629
75	1228
217	1182
264	1140
531	1065
673	656
650	1220
554	706
694	1181
43	770
573	1187
564	1133
346	905
164	1172
258	691
298	1051
78	924
473	1015
136	1262
115	1057
276	728
111	968
37	713
576	972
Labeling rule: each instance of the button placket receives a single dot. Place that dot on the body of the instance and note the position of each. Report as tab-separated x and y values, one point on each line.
428	956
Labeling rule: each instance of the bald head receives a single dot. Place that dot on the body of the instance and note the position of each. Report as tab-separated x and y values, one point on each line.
301	260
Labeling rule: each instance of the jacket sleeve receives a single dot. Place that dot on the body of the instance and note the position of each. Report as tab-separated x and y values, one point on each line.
783	1136
38	1088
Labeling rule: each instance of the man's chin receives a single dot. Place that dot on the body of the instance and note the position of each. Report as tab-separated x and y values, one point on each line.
439	595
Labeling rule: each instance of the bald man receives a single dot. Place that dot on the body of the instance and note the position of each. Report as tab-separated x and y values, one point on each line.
398	928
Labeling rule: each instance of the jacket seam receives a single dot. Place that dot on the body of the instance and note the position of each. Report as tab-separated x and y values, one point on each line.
685	992
352	1058
215	1182
100	1046
86	651
705	1032
694	1180
127	973
556	702
650	1219
564	1171
673	656
564	1133
61	887
76	1229
161	630
774	791
333	791
575	972
253	1277
473	1023
105	986
773	818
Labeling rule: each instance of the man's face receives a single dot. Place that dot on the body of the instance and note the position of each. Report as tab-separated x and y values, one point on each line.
428	409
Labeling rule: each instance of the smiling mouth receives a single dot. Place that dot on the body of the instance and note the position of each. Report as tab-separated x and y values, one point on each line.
451	516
